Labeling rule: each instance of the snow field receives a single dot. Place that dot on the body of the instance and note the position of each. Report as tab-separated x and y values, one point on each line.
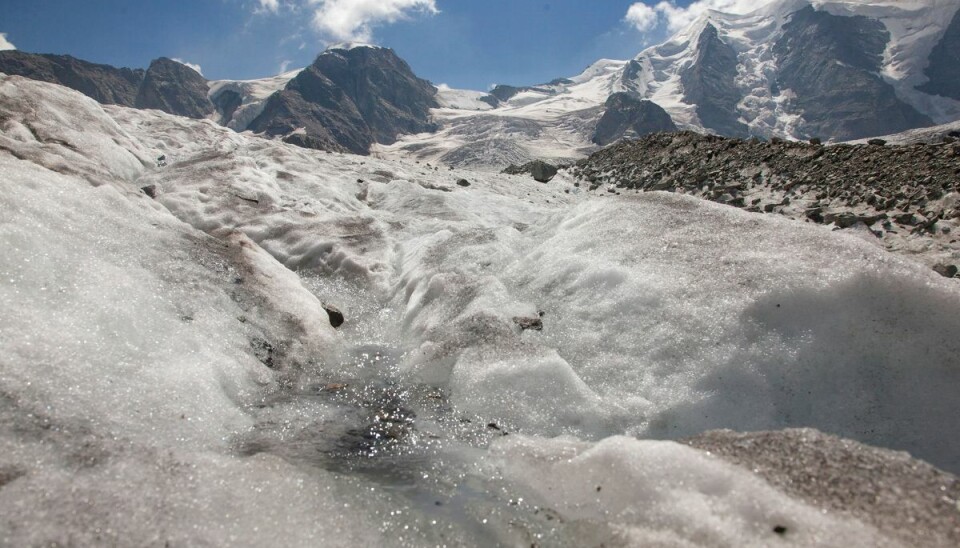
133	395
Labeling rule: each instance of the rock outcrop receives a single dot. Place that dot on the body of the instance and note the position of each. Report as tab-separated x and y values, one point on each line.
944	68
174	88
354	97
832	64
710	84
627	115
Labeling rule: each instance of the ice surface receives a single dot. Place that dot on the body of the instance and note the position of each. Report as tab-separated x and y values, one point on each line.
168	376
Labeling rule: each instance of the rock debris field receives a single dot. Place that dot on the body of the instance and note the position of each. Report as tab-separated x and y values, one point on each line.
906	196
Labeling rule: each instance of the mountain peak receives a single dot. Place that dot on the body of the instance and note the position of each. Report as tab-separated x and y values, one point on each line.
347	46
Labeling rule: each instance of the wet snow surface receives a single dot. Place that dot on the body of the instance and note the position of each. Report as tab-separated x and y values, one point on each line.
170	376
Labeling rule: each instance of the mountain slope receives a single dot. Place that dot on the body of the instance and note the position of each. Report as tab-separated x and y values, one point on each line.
102	83
176	89
710	84
943	72
831	65
352	96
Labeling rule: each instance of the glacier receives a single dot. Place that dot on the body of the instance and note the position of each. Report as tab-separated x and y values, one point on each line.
169	374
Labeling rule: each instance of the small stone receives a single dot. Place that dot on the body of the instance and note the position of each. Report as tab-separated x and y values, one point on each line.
876	142
525	323
336	317
946	270
463	182
780	529
150	191
263	350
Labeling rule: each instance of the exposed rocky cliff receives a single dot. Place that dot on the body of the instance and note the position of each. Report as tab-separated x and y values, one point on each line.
628	115
710	84
944	68
174	88
832	64
353	97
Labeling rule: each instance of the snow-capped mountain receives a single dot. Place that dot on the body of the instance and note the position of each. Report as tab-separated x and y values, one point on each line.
798	69
832	69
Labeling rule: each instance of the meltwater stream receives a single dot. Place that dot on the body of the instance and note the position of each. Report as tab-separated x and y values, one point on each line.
383	432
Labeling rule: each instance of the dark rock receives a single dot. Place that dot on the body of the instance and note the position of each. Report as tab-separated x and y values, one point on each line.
541	171
463	182
628	115
174	88
504	93
815	215
815	141
943	70
336	317
490	100
832	63
150	191
847	220
946	270
877	142
102	83
315	142
227	102
263	350
354	98
526	323
710	84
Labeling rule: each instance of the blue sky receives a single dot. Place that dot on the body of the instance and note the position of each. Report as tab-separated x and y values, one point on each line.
462	43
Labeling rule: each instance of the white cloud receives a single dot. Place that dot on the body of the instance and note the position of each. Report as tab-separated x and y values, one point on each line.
284	65
645	16
194	66
4	43
642	17
354	20
271	6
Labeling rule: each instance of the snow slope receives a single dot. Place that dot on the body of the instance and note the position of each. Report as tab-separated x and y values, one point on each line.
254	95
169	375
